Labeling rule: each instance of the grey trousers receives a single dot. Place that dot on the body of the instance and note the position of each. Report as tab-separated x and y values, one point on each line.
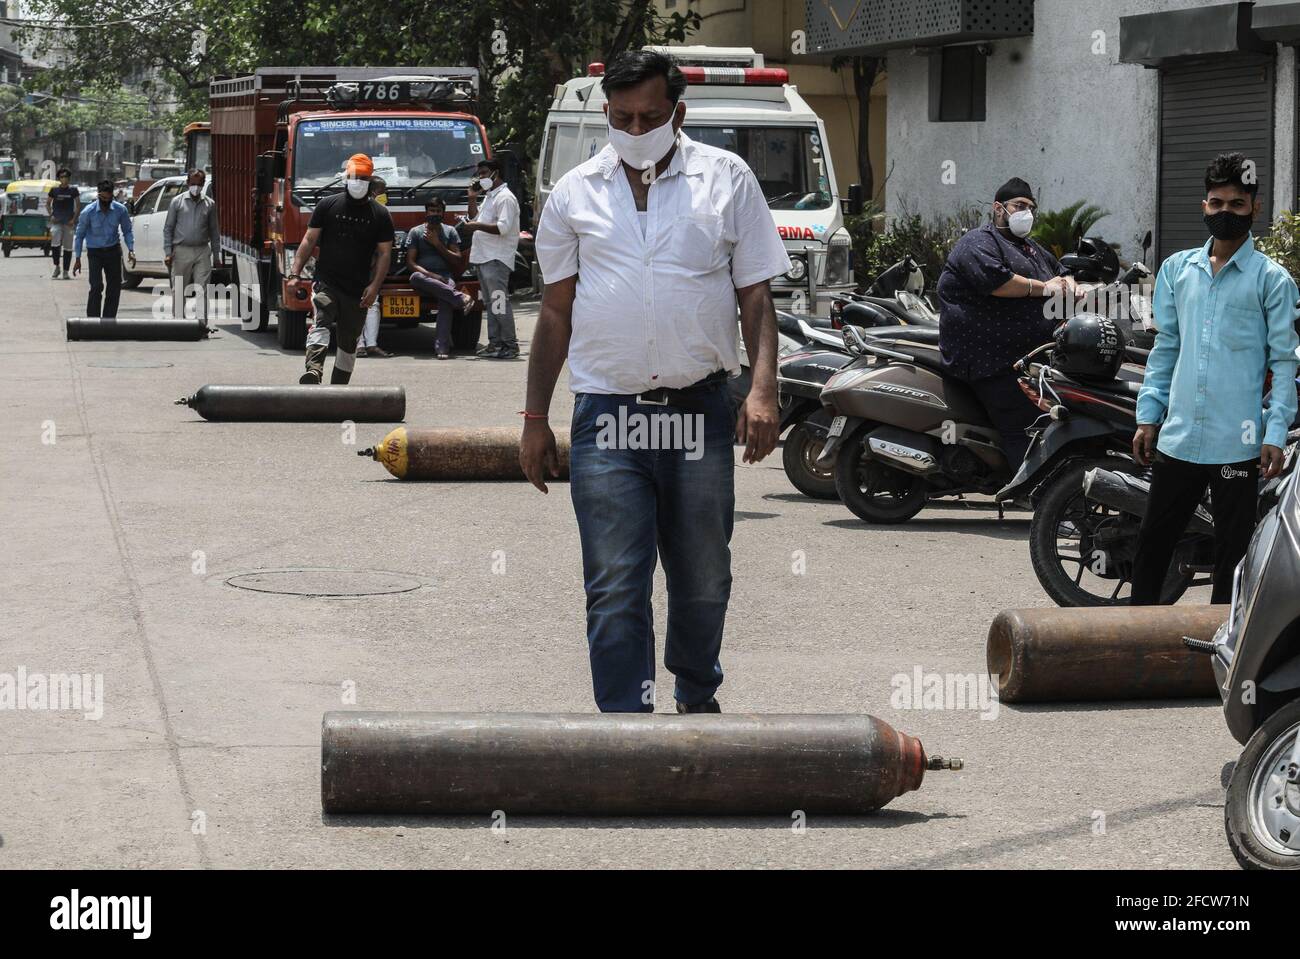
494	286
191	273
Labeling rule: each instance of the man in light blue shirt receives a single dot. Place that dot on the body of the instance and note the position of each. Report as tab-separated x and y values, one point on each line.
98	228
1225	317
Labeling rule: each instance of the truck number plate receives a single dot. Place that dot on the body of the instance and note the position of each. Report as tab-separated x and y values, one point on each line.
403	307
837	426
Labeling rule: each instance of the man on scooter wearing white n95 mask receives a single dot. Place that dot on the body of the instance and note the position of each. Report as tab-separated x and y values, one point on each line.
992	296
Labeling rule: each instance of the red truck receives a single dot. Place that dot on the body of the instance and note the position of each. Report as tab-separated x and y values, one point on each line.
280	137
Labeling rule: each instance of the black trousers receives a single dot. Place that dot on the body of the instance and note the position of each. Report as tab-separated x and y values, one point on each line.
1010	411
1176	490
105	280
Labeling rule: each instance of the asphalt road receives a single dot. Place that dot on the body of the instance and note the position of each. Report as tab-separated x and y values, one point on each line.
125	516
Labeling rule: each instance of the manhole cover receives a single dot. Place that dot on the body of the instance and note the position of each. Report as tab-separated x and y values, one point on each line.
325	582
129	364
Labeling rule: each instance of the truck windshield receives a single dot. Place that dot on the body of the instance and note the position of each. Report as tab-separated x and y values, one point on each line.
407	150
790	162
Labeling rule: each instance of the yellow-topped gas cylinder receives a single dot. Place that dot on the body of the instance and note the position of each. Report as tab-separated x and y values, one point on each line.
458	454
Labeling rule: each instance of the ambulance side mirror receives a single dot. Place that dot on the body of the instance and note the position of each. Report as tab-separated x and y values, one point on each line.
852	204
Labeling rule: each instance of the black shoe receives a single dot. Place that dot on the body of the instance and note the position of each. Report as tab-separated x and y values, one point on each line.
310	378
710	707
505	353
489	350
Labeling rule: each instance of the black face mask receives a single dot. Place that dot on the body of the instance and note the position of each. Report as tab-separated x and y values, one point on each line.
1228	226
433	218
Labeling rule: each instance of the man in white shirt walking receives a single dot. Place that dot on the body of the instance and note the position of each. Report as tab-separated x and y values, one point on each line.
646	249
495	230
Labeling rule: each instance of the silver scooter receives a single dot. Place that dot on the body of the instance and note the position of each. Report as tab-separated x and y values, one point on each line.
1257	665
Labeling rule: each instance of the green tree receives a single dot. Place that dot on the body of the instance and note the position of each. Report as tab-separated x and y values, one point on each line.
522	48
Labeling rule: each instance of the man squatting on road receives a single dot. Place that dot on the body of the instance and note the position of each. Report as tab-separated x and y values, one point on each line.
646	249
355	235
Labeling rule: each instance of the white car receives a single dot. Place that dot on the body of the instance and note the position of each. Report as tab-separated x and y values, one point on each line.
148	216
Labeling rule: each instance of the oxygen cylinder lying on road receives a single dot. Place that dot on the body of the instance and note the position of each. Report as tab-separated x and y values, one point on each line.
134	328
1111	652
455	454
615	764
299	404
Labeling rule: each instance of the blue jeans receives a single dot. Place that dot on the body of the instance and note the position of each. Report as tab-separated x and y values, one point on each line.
634	505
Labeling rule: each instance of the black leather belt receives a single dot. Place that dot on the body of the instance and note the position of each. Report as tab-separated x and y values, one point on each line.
686	396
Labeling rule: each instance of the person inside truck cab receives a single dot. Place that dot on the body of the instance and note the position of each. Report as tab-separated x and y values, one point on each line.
993	297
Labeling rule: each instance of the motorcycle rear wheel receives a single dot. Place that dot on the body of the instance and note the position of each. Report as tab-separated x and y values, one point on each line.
1063	506
874	492
1261	806
799	458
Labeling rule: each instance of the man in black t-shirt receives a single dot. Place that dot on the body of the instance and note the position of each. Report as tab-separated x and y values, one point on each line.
355	238
65	204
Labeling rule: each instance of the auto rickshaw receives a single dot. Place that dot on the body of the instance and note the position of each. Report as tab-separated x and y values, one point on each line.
25	215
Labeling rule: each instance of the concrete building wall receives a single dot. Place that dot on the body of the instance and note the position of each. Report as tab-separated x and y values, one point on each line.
1062	113
1285	160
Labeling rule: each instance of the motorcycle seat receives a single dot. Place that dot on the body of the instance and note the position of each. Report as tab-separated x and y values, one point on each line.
928	335
923	354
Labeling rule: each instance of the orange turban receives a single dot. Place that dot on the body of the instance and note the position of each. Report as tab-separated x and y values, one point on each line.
359	165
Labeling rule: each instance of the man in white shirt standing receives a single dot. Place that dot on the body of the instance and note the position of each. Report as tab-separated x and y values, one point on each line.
646	249
495	229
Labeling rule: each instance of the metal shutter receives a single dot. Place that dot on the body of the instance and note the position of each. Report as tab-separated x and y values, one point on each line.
1208	108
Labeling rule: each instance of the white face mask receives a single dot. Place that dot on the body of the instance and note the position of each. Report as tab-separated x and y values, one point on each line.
485	183
357	189
645	151
194	191
1021	223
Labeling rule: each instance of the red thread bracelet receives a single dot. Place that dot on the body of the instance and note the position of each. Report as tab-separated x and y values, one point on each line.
533	416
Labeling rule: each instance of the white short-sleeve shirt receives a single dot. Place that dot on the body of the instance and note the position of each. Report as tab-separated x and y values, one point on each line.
500	209
659	310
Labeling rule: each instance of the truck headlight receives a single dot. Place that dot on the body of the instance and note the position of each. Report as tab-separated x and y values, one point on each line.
838	259
798	269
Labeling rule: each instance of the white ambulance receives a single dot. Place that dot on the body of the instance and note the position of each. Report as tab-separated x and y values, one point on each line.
735	103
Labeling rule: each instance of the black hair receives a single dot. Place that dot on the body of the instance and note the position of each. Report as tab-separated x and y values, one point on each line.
433	198
105	186
191	172
63	171
492	164
634	67
1229	169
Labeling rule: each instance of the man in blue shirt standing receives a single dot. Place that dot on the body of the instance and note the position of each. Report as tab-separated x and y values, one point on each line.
98	228
1225	316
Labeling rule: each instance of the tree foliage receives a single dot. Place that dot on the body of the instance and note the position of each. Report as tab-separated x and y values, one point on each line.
522	48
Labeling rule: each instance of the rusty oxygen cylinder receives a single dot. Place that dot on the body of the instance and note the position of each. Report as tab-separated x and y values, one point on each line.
1112	652
299	404
134	328
615	764
456	454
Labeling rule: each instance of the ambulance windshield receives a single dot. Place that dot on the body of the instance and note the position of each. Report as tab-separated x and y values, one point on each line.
789	162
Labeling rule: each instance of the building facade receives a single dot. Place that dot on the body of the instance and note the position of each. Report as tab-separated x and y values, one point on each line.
1120	103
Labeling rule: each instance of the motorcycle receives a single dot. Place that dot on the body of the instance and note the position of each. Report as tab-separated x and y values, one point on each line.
903	430
1089	496
804	422
1256	659
895	297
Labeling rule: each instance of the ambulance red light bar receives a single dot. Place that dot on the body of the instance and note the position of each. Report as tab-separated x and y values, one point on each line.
720	76
736	76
